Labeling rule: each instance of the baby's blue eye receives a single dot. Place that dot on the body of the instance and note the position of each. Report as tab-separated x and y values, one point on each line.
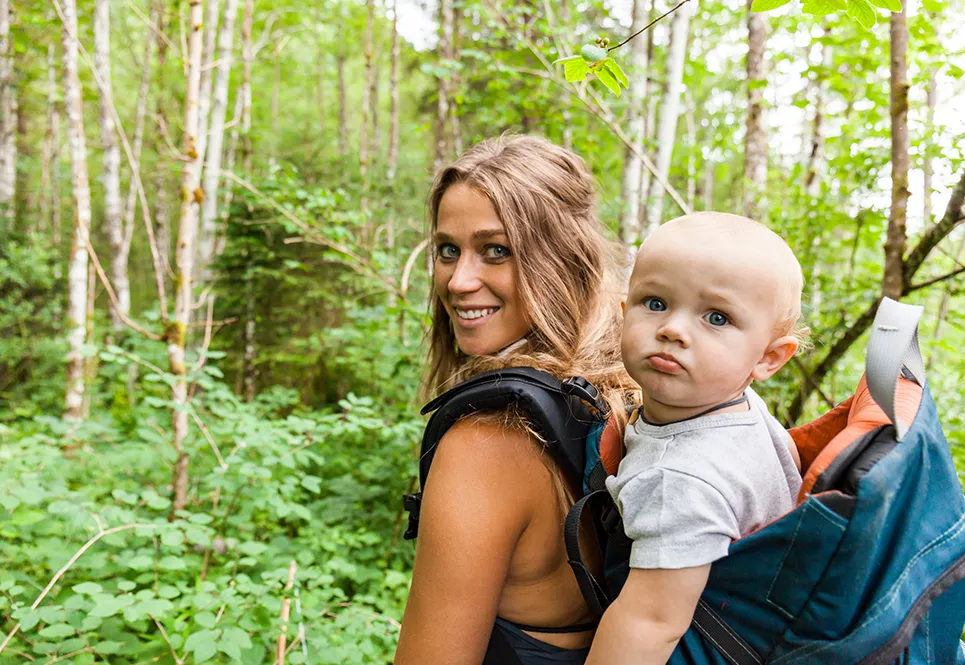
655	304
717	319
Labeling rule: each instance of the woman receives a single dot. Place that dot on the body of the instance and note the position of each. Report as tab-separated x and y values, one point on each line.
523	276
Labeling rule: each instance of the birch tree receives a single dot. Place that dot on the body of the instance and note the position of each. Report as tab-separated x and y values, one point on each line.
219	109
893	281
8	119
393	156
632	166
670	109
111	175
77	263
184	256
212	13
755	139
50	160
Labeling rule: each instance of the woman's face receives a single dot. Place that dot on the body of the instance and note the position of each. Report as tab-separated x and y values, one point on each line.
475	273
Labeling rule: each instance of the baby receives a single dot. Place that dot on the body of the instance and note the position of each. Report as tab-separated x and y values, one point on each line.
713	305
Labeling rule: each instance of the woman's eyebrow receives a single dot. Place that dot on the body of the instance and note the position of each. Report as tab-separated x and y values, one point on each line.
483	234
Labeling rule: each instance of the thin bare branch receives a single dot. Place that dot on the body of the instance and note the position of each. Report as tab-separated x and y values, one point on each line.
164	634
934	280
60	573
649	25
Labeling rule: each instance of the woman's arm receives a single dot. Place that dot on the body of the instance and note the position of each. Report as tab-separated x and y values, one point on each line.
477	502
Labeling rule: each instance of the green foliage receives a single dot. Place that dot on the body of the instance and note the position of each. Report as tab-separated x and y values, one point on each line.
593	59
319	488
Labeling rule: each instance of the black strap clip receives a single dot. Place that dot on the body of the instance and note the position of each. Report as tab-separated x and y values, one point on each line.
580	387
412	504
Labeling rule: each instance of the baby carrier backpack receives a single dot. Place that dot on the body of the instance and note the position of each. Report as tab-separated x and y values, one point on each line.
865	570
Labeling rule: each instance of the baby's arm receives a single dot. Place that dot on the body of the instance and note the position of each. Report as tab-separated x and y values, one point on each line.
648	618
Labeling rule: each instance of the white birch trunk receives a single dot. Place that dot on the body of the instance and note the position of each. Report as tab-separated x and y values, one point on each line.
755	140
670	108
184	258
219	109
632	166
77	263
111	175
212	12
229	189
8	119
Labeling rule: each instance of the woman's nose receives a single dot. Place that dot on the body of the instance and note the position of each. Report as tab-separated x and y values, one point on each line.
466	276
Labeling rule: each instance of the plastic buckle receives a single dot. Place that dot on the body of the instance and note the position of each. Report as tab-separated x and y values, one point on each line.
580	387
413	505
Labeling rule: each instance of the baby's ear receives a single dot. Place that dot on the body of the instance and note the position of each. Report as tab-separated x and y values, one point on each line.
775	357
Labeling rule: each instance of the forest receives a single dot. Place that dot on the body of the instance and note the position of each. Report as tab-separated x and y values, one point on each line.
214	283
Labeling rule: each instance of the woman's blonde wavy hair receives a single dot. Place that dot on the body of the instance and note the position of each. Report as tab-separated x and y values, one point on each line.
569	275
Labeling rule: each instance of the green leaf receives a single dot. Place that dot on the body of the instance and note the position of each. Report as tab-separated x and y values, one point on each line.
57	631
203	643
30	619
607	79
767	5
205	619
576	70
933	6
890	5
617	71
819	7
567	59
105	606
238	636
171	563
125	585
862	12
593	53
87	588
107	647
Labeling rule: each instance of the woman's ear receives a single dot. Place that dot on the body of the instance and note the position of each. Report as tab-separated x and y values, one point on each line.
623	307
775	357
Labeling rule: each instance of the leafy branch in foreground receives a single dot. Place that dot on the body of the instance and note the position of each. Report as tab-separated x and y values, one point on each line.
861	11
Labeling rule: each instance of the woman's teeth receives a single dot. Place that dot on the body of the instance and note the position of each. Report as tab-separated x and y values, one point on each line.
475	313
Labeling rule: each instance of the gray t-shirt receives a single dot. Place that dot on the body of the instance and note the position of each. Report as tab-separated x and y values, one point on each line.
687	490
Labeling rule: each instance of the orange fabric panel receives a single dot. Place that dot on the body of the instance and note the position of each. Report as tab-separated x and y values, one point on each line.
611	446
811	438
863	416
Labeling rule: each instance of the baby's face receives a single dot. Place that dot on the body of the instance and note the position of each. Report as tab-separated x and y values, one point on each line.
700	315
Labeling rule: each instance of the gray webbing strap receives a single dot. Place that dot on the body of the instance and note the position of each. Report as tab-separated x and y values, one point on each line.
893	344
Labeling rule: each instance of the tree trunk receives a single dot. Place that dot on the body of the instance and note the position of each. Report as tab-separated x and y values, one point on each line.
247	58
184	258
161	218
8	121
649	123
376	147
77	265
815	169
893	282
250	349
567	117
212	13
393	156
443	151
53	117
670	109
692	148
219	109
130	204
112	165
342	112
632	167
755	140
454	84
932	101
90	362
229	165
366	109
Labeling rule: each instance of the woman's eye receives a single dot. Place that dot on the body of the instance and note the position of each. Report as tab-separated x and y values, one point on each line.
497	252
655	304
447	252
717	319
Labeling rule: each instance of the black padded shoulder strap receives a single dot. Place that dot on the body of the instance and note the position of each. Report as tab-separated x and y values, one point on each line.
558	410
